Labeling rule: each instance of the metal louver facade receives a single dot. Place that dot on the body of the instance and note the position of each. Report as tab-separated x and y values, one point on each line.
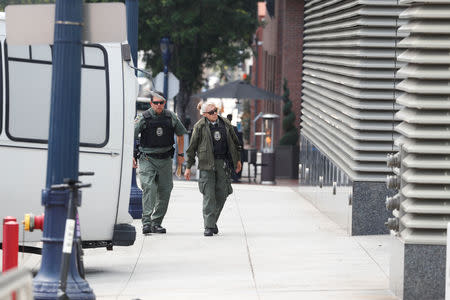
424	173
349	80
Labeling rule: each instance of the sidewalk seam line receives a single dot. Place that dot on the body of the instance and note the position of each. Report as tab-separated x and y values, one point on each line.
373	259
246	245
134	268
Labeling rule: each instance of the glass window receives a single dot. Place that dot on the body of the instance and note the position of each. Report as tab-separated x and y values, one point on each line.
19	51
93	56
41	52
93	117
29	93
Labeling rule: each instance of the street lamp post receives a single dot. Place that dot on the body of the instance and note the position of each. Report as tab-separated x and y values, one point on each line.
132	6
63	159
166	47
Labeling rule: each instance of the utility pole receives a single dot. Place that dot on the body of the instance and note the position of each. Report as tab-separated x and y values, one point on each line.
166	49
132	6
63	153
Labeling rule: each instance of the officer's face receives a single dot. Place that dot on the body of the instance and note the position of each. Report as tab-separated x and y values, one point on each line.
211	113
158	104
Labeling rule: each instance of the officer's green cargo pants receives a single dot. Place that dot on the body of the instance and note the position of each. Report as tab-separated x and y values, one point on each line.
215	186
157	183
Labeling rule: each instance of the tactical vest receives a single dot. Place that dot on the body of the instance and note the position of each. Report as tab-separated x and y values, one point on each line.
219	139
157	131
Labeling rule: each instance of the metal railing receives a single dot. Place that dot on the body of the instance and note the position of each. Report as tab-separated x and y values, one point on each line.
16	281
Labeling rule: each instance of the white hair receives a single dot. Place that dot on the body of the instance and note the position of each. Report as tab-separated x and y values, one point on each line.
205	105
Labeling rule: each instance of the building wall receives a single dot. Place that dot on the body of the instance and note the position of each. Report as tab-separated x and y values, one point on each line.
292	58
279	58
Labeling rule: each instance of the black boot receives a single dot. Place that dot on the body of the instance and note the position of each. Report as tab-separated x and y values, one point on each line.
215	229
158	229
208	232
146	229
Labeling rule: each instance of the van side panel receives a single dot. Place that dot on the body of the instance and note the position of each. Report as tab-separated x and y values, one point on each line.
129	110
23	151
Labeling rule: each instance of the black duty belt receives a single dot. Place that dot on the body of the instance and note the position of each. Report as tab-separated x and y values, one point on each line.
163	155
220	156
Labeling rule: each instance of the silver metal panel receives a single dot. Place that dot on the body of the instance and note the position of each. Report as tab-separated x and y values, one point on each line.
424	146
376	95
424	101
389	64
425	57
421	206
360	104
353	52
425	128
349	80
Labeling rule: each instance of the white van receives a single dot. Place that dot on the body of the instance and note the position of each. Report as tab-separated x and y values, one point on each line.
108	96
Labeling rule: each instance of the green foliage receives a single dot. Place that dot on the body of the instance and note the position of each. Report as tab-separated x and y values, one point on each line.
205	33
290	136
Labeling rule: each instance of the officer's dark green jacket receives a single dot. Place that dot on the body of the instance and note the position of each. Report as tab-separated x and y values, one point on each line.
202	146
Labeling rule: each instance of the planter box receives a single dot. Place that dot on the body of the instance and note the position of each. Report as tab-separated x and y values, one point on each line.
286	162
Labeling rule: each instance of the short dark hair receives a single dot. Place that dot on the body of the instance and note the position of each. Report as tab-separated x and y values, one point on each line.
230	117
161	95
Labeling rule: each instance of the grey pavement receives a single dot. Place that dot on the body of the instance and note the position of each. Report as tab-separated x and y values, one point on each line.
273	244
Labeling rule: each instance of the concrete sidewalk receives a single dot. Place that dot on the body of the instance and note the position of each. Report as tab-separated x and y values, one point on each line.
272	244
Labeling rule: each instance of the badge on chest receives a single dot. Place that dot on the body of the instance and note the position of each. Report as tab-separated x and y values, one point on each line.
217	135
159	131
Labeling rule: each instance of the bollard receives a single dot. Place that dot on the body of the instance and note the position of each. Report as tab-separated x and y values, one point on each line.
8	219
10	245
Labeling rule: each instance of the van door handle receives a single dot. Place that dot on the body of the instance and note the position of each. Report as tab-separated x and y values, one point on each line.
115	153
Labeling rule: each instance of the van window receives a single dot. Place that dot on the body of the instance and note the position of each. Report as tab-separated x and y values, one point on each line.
28	92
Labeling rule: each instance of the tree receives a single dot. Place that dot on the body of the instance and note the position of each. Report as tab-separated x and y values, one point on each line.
290	136
204	33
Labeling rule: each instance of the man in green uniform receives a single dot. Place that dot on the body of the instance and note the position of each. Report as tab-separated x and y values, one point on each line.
157	127
217	147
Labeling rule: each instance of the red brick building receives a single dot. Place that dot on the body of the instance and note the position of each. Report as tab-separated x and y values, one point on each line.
278	47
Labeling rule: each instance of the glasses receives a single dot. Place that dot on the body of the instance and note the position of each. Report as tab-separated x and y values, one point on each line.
212	112
158	102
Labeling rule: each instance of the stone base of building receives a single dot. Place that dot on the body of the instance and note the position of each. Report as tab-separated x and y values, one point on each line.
357	206
369	211
417	271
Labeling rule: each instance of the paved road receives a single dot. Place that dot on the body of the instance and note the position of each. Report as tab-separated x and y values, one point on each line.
272	244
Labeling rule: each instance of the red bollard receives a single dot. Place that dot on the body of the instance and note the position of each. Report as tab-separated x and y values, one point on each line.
10	245
8	219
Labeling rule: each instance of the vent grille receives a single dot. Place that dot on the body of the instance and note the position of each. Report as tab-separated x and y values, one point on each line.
425	142
349	78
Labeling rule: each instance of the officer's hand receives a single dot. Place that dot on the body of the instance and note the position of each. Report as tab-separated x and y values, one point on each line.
238	167
134	163
180	160
187	174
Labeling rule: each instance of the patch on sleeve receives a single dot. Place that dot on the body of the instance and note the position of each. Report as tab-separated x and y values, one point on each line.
138	118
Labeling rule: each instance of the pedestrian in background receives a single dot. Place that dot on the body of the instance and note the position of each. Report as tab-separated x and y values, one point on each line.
156	127
218	151
236	176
